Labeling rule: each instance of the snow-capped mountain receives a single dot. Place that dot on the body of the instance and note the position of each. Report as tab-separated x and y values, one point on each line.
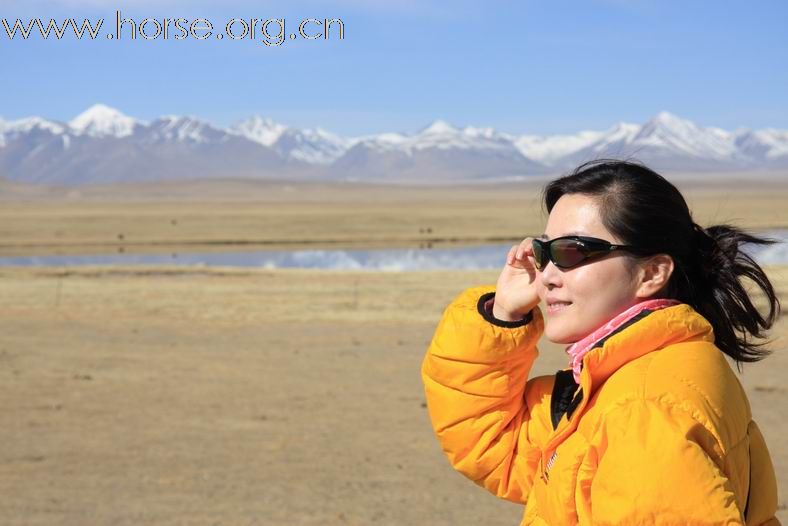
311	146
102	144
671	137
174	129
768	146
671	133
440	151
440	135
102	121
667	140
31	125
259	129
550	150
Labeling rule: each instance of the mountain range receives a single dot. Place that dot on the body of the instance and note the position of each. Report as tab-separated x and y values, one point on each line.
102	145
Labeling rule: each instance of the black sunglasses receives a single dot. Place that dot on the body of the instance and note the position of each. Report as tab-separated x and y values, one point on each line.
570	251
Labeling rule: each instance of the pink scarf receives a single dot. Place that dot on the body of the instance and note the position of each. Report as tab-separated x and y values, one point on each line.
577	350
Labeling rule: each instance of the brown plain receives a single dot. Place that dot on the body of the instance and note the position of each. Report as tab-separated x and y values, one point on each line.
173	395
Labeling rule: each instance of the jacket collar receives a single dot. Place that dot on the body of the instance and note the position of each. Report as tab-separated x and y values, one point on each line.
649	331
646	332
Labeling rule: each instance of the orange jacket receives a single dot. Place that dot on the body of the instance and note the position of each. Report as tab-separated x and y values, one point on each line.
659	430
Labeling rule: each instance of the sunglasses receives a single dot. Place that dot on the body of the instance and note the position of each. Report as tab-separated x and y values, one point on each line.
570	251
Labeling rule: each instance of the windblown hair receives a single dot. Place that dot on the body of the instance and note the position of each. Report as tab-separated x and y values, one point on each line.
644	209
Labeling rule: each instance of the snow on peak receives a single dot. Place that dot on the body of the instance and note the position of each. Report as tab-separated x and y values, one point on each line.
390	139
260	130
314	146
664	121
440	135
28	124
549	149
325	134
184	129
438	127
10	130
666	117
768	143
667	131
101	121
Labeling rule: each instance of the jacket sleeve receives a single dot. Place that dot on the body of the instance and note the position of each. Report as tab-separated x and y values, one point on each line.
657	464
474	375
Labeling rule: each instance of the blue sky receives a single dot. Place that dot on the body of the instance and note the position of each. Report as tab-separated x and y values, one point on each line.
545	67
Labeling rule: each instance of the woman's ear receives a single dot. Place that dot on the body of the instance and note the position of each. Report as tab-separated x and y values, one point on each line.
653	275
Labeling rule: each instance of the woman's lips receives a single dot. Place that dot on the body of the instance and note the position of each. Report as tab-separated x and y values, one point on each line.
555	308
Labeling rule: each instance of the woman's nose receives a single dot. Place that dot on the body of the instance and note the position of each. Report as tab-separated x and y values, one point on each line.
550	275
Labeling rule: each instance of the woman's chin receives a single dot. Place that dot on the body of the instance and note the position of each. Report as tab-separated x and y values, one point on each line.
561	339
557	335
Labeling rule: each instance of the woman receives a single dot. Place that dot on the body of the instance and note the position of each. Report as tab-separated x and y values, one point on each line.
648	424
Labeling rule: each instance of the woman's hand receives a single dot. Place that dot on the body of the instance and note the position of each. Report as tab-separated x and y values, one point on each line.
517	289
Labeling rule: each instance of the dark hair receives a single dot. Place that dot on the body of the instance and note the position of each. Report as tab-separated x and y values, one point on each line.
644	209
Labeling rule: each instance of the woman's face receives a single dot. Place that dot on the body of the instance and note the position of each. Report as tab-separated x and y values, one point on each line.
598	289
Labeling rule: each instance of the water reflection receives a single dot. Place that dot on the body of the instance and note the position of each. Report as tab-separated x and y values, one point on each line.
460	258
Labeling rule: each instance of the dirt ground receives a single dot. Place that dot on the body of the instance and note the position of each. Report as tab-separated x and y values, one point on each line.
244	396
